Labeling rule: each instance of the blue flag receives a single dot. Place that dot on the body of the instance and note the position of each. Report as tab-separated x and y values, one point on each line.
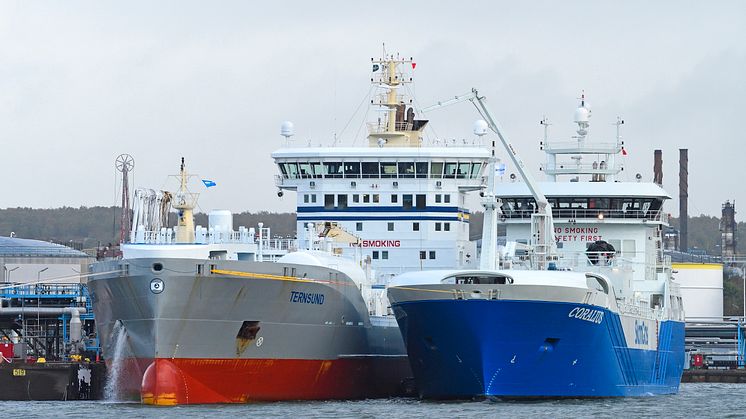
209	183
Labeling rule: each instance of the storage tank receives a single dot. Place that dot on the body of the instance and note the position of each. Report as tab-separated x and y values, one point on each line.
701	289
221	220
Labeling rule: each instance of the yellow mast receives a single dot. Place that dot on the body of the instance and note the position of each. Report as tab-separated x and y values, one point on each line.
185	203
391	101
399	129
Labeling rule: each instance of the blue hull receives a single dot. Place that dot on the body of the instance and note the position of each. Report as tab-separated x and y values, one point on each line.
502	348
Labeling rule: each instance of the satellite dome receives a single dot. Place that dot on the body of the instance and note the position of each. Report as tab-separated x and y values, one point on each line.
582	114
287	129
480	127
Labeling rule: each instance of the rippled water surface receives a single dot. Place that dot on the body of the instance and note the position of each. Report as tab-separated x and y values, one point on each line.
694	401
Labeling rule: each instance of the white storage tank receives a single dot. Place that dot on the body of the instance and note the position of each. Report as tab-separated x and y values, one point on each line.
701	290
221	220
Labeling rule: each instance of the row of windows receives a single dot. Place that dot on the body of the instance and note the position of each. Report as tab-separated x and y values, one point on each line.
384	254
640	204
401	170
309	198
439	226
580	207
424	254
408	201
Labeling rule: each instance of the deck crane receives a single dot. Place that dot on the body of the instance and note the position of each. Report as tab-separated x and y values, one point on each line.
544	247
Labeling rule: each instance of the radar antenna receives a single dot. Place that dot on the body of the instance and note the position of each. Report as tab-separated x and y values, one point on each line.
124	164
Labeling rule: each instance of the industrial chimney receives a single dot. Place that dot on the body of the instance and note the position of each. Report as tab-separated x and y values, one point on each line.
683	199
728	231
658	167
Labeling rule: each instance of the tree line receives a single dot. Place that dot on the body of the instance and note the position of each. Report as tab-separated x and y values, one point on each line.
89	226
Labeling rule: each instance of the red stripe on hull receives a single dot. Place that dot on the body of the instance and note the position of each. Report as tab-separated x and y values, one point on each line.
200	381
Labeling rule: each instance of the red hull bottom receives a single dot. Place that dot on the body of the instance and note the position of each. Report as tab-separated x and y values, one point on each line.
171	382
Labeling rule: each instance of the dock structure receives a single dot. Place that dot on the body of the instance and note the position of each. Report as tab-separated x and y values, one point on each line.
48	346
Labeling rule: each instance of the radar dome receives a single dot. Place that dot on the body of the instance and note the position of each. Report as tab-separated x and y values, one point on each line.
582	114
287	129
480	127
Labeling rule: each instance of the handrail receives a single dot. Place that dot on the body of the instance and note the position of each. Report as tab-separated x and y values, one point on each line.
583	213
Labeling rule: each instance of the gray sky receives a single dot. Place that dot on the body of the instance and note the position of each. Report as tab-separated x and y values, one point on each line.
81	82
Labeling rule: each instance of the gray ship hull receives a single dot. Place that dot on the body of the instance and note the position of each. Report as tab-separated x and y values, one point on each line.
216	331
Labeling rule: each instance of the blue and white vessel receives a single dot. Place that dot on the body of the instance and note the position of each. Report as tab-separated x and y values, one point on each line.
579	302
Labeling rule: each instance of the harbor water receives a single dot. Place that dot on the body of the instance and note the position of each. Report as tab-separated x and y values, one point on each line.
698	400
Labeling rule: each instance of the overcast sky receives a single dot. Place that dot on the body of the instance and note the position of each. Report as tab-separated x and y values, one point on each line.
81	82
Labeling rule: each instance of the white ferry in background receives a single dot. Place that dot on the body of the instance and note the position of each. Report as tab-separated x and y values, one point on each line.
580	302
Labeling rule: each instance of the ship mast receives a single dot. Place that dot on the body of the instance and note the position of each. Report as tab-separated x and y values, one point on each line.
185	203
399	129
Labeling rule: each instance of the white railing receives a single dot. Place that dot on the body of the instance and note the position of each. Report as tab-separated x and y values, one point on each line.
581	168
208	236
605	263
585	213
380	128
639	309
607	147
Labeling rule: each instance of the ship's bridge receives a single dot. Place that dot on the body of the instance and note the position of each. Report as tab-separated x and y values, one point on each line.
302	166
588	201
406	204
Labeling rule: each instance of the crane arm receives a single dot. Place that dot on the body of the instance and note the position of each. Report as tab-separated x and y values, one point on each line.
543	224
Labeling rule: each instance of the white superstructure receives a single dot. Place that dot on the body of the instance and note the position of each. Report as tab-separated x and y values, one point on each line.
406	200
594	207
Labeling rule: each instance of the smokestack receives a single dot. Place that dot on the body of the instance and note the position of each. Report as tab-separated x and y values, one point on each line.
658	167
683	199
728	231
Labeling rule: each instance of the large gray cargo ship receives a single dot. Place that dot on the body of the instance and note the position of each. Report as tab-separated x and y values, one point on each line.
209	315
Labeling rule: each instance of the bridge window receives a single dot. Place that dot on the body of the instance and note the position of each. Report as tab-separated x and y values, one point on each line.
366	199
475	169
370	170
333	169
394	198
342	201
352	169
292	170
447	198
388	170
463	170
450	170
356	198
420	169
436	170
318	169
376	198
305	170
406	170
438	198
